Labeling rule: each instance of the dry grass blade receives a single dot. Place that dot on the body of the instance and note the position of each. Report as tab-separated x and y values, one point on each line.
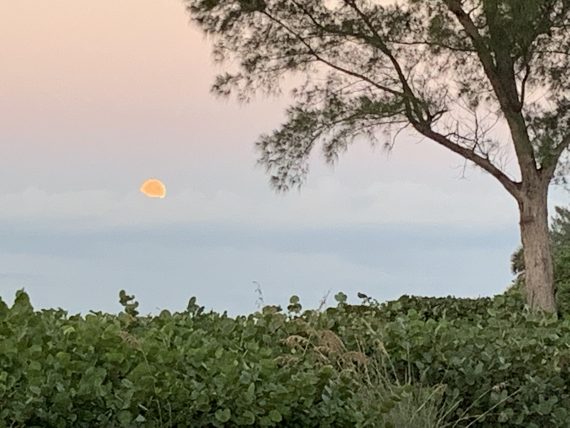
328	339
130	340
296	341
286	360
354	357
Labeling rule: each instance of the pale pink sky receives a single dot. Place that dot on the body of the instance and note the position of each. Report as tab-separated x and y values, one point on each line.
124	83
113	84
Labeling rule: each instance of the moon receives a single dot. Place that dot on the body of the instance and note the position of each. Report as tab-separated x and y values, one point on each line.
153	188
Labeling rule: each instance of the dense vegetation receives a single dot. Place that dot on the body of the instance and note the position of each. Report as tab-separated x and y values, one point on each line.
415	362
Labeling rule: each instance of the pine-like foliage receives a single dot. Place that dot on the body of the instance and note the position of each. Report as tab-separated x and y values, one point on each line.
449	69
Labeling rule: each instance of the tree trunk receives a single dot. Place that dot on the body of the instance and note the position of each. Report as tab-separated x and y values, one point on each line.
538	277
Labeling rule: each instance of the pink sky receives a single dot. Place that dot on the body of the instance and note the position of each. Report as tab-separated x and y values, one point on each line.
116	85
119	85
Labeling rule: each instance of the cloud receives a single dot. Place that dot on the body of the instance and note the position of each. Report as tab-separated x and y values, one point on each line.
326	201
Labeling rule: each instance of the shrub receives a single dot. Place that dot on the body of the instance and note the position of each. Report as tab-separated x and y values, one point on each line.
482	363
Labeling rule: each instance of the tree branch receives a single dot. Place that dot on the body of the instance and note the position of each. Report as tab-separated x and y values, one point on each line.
557	151
409	97
325	61
379	43
505	89
511	186
431	45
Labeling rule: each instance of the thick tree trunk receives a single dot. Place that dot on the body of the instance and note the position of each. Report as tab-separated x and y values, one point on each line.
539	277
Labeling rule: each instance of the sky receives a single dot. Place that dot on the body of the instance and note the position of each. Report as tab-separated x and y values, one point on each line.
96	97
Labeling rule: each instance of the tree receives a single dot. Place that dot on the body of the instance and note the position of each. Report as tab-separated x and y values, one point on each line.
560	245
452	71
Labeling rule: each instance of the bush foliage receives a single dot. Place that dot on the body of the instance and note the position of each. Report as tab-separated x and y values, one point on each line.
484	362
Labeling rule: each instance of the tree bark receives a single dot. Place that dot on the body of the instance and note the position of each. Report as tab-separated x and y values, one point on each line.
539	276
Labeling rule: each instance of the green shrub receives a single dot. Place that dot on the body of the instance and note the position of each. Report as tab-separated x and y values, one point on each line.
505	365
482	362
183	369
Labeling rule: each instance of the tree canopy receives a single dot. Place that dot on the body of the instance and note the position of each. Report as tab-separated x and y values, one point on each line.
449	69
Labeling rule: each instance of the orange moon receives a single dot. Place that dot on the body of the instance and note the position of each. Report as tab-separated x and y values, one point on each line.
153	188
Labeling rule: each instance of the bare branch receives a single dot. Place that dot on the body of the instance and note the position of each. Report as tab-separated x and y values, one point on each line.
555	154
501	76
511	186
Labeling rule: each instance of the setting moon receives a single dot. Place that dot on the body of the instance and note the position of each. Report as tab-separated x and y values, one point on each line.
153	188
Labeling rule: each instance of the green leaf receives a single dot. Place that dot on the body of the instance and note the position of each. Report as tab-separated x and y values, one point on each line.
275	416
219	353
68	330
125	418
340	297
223	415
247	418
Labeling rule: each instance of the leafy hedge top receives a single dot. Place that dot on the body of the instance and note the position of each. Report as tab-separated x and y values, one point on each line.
499	363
